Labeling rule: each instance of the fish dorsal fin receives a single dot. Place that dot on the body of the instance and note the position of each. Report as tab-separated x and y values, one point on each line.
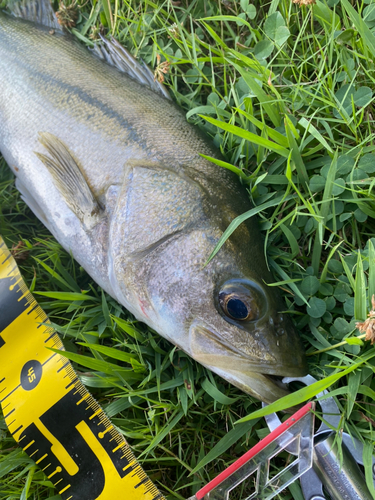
69	180
37	11
116	55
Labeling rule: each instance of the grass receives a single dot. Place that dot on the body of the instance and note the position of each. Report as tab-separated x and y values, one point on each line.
287	93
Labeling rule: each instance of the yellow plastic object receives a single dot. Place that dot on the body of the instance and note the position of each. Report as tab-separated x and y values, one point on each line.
48	410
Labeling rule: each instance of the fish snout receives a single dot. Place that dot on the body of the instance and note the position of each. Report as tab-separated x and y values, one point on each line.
279	337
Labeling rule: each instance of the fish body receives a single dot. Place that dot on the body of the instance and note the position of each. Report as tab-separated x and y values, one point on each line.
114	171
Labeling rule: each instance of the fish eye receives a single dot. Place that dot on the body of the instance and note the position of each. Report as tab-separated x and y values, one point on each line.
242	301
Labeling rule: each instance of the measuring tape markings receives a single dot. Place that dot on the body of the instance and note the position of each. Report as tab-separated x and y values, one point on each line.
50	413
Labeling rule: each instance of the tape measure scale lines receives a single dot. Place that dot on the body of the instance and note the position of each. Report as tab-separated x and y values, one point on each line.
48	410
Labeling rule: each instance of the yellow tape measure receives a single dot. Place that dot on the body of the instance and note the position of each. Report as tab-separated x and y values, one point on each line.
50	413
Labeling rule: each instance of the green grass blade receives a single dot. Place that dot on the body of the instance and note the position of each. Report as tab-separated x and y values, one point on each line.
108	13
99	365
225	443
371	273
216	394
55	275
105	310
249	136
323	276
14	461
348	273
230	167
360	302
365	32
306	393
288	280
368	451
235	19
114	353
296	155
67	296
274	134
315	133
128	328
241	218
175	418
291	239
323	212
353	385
268	103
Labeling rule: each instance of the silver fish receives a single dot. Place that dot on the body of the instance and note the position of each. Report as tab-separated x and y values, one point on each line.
113	170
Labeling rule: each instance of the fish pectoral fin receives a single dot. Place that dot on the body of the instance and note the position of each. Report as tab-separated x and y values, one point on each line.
116	55
37	11
70	181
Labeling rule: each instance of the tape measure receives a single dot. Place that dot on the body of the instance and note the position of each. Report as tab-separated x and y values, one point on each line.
50	413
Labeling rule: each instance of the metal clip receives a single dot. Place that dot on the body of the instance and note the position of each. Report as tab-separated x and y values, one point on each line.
342	481
254	467
322	467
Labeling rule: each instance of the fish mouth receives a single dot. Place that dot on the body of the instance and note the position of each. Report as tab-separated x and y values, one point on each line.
258	378
207	348
266	388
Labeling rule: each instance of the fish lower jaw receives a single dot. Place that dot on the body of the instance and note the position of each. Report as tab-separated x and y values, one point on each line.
263	387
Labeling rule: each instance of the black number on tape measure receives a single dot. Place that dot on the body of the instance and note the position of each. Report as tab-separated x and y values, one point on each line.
86	484
31	374
10	305
61	420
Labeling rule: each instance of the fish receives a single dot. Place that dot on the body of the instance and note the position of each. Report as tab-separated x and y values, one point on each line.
108	162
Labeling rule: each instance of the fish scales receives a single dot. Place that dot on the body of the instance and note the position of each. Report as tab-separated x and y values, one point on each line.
108	107
114	171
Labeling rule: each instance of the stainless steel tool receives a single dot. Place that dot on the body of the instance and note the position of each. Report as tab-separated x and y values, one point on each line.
327	469
335	472
251	476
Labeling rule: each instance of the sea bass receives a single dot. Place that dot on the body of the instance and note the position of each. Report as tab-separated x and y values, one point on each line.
114	171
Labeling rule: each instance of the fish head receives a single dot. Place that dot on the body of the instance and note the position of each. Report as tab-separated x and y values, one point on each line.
242	332
245	337
222	314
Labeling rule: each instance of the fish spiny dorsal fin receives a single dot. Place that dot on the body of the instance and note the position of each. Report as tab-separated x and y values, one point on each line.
37	11
116	55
